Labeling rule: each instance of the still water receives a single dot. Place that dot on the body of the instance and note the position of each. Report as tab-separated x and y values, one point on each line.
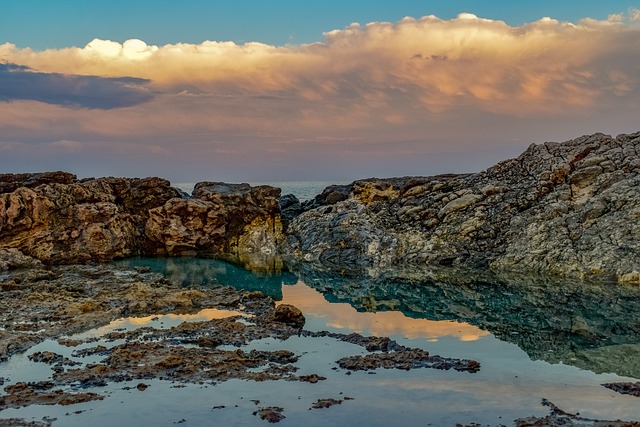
535	339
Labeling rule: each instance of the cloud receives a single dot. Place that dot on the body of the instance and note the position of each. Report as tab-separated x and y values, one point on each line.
428	63
20	82
365	98
67	145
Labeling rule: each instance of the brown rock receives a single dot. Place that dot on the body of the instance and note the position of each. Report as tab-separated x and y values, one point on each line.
234	220
56	219
292	316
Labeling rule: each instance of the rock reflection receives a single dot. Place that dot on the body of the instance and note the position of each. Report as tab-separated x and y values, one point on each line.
593	326
590	325
200	271
384	323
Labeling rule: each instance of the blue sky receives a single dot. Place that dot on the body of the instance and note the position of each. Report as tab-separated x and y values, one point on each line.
290	90
41	24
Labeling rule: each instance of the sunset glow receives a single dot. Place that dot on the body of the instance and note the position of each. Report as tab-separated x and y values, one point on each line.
416	96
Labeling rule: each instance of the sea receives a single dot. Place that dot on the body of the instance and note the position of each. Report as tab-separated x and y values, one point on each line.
303	190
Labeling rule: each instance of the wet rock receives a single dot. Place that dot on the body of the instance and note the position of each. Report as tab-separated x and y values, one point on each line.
567	209
406	359
286	313
272	414
23	394
558	417
20	422
325	403
632	389
312	379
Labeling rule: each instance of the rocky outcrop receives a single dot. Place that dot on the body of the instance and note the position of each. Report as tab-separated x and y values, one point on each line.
568	209
63	220
10	182
233	220
57	219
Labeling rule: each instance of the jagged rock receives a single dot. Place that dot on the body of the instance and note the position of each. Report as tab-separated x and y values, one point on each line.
10	182
290	207
220	220
62	220
568	209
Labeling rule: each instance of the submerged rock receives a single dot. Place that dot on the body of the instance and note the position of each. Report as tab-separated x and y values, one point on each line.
568	209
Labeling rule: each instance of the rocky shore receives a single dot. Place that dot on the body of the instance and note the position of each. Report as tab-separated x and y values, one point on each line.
569	209
54	303
560	209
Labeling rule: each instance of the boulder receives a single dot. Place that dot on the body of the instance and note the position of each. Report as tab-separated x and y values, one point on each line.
290	315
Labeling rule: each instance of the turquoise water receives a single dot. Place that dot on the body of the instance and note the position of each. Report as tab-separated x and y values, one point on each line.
303	190
534	339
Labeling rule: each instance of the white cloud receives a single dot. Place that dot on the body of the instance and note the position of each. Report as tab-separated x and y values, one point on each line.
429	63
67	145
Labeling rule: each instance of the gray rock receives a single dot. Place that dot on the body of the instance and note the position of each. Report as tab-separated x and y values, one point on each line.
567	209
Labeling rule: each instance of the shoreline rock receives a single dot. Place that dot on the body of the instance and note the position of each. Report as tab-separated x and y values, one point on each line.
567	209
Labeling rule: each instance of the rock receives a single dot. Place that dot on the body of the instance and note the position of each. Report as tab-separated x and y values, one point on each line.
290	315
569	209
233	220
11	258
290	208
11	182
558	417
62	220
272	414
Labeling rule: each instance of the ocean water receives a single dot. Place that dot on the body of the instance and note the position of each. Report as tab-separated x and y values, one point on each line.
303	190
534	340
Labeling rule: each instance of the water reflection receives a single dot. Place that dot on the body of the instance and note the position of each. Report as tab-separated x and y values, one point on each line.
200	271
594	326
386	323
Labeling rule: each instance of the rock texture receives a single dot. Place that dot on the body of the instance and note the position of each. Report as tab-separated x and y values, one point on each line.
55	218
221	219
568	209
61	219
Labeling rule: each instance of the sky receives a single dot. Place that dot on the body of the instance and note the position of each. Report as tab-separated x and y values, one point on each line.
307	90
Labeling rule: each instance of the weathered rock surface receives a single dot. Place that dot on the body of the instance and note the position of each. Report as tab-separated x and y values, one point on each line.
55	218
568	209
63	220
221	219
